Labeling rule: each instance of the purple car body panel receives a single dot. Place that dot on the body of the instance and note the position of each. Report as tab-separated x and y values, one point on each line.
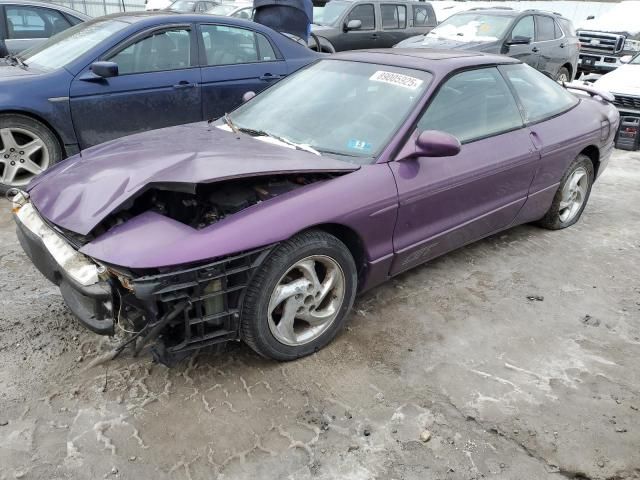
87	188
404	212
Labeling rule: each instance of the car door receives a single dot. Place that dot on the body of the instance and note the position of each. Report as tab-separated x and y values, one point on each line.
547	45
157	86
393	19
363	37
527	53
234	61
445	203
27	25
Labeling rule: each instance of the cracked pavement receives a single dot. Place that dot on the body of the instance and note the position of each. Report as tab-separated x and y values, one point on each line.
505	385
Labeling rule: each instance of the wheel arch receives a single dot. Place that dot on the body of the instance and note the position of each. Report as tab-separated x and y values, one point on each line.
42	120
594	155
351	239
569	68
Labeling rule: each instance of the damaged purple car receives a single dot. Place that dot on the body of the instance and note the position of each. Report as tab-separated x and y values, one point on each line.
264	225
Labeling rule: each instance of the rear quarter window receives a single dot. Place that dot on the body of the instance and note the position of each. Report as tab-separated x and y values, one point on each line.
540	96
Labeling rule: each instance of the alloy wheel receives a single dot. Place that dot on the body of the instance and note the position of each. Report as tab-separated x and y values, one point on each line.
574	194
306	300
23	155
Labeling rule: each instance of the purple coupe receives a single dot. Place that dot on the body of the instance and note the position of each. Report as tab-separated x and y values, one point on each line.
264	225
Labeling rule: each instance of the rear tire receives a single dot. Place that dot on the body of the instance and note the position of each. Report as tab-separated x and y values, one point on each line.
288	312
563	75
572	196
27	148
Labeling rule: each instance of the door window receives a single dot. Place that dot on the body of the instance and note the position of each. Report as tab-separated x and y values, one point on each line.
473	105
545	28
231	45
393	16
166	50
34	22
365	14
558	30
421	16
524	28
541	96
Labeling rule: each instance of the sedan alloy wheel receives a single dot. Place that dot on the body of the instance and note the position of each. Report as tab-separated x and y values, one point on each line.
23	155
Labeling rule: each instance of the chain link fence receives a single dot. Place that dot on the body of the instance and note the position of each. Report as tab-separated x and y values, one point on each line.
96	8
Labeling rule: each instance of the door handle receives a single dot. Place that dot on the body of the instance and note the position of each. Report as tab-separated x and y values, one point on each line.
374	36
535	50
268	77
184	84
562	45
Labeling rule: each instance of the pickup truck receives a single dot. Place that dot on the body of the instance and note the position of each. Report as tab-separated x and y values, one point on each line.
605	40
358	24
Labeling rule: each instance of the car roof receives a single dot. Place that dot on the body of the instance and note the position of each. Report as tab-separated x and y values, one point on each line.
432	60
36	3
510	12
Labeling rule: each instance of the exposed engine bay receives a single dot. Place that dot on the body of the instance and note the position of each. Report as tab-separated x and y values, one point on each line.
201	205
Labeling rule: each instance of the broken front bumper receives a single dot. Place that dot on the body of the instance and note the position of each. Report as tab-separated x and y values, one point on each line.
181	310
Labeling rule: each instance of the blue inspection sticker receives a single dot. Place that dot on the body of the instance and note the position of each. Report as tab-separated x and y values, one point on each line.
360	145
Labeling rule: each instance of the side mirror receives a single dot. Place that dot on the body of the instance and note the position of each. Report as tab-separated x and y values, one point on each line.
626	59
105	69
591	17
248	96
353	25
432	143
519	40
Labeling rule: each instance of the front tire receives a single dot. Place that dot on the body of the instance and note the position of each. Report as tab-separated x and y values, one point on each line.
27	148
572	196
300	297
563	75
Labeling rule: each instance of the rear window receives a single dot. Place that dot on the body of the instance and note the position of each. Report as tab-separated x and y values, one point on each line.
541	96
421	16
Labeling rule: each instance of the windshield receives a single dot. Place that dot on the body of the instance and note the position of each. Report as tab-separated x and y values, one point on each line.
467	27
350	110
636	60
221	9
182	6
330	13
67	46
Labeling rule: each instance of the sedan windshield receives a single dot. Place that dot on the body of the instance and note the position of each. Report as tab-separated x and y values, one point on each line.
636	60
221	10
469	27
182	6
330	13
67	46
350	110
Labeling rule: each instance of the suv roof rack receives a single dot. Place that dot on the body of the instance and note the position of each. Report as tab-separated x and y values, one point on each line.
543	11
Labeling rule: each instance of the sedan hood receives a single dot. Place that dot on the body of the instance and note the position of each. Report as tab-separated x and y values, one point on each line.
434	41
11	71
80	192
623	80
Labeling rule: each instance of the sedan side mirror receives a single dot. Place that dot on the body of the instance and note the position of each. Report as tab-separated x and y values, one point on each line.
519	40
353	25
626	59
105	69
248	96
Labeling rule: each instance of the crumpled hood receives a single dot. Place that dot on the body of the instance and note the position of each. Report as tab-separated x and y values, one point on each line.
80	192
623	80
433	41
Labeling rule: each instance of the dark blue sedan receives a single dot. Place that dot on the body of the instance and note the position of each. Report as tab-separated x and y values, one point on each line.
126	73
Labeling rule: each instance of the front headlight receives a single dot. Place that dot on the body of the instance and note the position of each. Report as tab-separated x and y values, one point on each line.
632	45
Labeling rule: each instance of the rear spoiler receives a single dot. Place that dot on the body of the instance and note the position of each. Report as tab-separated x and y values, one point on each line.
594	92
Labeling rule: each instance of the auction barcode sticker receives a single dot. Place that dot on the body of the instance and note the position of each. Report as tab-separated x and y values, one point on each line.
396	79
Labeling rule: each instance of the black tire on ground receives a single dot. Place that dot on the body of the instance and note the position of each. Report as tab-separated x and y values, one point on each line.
254	326
552	219
37	129
563	73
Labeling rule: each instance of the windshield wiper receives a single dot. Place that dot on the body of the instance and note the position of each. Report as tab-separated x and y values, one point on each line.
262	133
334	152
16	60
